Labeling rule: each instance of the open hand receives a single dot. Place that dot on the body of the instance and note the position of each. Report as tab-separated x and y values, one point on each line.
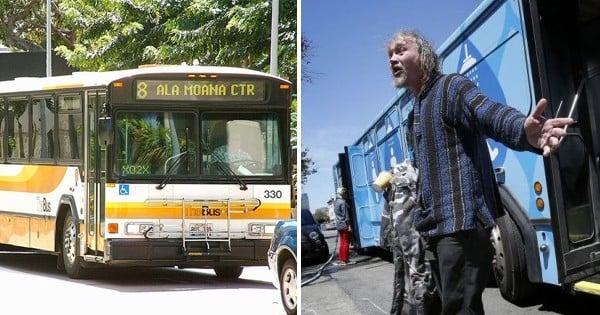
544	133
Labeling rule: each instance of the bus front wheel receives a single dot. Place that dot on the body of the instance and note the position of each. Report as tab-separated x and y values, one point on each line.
509	266
73	263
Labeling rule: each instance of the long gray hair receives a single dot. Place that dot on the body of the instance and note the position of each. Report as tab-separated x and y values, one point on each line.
428	58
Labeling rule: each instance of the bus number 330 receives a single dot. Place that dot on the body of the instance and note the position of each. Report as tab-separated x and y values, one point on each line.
271	194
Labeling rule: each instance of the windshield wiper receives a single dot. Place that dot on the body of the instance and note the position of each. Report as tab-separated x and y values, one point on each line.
224	167
226	170
172	168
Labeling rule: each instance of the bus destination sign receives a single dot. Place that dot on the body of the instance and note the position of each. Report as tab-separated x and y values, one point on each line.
200	90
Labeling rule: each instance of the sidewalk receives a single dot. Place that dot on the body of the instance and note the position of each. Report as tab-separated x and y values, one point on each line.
364	287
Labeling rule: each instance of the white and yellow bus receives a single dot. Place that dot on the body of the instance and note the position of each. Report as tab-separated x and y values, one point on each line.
117	168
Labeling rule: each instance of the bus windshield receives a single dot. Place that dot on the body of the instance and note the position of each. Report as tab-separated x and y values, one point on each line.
154	143
247	143
151	144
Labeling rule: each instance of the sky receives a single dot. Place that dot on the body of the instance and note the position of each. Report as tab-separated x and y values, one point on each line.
351	81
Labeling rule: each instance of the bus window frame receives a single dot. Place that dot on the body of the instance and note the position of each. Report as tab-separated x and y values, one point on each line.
81	142
27	157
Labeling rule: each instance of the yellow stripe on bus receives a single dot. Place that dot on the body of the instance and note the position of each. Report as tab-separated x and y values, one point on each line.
34	179
138	210
62	86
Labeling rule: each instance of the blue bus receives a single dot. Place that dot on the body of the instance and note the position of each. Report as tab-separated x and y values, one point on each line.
516	51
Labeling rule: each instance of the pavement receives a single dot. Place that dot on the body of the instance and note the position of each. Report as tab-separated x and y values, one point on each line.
364	287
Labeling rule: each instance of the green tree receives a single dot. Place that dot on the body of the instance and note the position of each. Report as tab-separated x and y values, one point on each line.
23	25
307	166
294	123
108	35
306	51
215	32
322	215
294	143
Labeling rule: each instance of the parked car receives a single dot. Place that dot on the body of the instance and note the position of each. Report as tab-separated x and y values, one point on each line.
282	262
314	248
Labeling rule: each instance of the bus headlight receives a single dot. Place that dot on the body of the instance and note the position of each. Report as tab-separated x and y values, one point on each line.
137	228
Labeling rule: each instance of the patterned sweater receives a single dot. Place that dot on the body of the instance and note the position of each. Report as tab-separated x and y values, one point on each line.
447	131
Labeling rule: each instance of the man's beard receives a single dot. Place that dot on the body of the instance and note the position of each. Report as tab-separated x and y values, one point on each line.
400	81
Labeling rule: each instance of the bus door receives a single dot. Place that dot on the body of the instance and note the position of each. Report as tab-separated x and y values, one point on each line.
366	213
572	69
93	217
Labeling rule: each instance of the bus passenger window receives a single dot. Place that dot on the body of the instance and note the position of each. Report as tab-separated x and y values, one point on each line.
70	127
43	127
18	128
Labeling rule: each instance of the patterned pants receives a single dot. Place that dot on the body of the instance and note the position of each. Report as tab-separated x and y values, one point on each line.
414	286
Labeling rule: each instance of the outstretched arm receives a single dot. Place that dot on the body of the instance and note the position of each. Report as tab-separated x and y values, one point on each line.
544	133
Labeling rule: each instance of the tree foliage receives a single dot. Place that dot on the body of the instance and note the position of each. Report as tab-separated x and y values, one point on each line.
322	215
108	35
294	123
124	34
307	166
23	25
294	143
306	52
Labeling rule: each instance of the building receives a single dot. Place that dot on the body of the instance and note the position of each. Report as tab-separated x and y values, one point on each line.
29	64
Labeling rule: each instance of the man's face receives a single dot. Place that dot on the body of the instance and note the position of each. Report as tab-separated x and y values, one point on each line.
404	63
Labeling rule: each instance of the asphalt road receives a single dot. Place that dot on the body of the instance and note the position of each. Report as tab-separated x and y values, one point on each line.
366	288
31	284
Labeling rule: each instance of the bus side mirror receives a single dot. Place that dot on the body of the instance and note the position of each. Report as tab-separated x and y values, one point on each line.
105	130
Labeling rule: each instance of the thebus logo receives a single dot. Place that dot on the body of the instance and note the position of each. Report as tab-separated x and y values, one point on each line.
204	212
477	69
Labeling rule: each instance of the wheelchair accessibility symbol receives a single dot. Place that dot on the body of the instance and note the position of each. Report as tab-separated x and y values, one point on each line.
123	189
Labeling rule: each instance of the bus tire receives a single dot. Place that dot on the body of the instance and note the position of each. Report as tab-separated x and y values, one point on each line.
73	263
228	272
509	266
288	286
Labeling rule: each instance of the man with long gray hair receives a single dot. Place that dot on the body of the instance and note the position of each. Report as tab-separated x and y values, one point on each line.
460	201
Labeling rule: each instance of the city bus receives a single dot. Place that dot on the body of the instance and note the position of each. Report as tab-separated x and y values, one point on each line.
516	51
118	168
